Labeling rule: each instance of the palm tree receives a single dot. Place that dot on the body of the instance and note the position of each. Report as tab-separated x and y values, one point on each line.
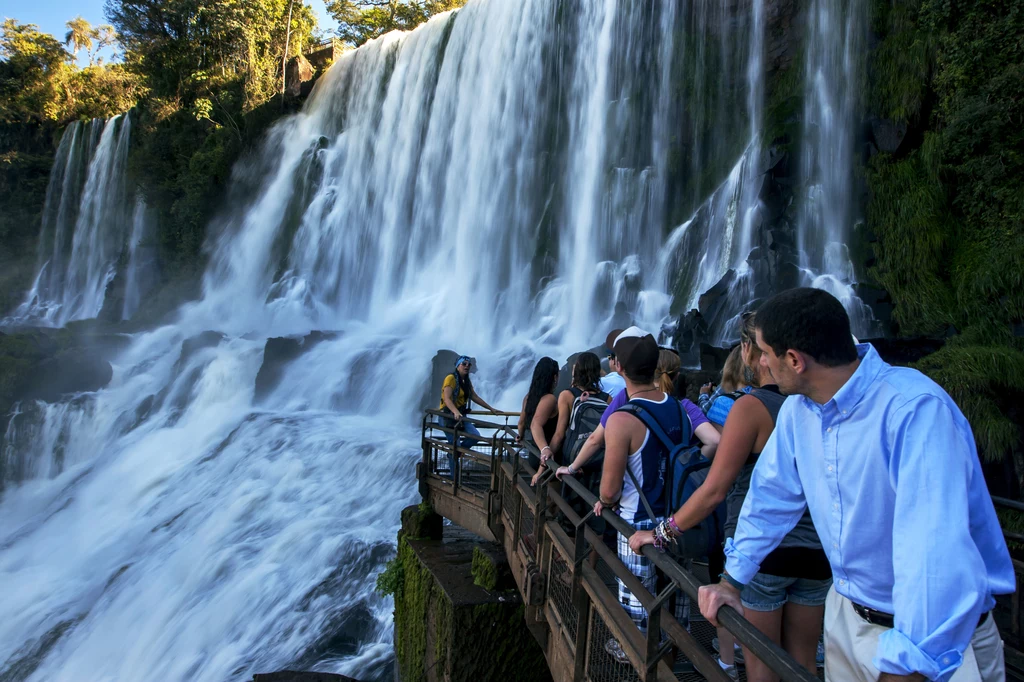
79	35
105	35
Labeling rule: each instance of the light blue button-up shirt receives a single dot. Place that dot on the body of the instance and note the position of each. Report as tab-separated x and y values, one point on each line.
890	473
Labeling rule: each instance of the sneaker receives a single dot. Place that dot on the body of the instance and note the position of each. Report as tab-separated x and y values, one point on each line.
730	670
615	651
737	651
682	666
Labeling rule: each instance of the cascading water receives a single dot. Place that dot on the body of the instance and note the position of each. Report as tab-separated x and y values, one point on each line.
85	221
837	33
141	272
492	182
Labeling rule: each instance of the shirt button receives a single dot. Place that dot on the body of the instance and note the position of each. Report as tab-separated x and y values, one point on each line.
844	411
829	429
842	582
835	545
830	468
945	660
835	506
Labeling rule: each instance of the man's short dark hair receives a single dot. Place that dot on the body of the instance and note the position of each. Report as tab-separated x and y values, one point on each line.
808	320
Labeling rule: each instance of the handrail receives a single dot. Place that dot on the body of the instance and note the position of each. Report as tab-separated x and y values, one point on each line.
1008	503
504	449
766	650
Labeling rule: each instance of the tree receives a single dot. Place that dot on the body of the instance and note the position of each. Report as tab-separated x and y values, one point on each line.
187	50
105	36
363	20
79	36
33	69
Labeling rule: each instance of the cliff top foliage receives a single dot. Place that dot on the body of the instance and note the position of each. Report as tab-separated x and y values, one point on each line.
205	79
363	20
947	206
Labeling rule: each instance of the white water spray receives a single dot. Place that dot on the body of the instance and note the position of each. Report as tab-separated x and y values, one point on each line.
174	525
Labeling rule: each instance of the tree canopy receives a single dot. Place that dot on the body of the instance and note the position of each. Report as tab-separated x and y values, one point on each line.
363	20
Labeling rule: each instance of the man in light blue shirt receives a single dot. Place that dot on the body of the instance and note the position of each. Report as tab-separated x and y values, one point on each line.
613	382
887	465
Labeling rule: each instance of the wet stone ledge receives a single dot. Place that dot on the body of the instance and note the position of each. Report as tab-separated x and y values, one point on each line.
448	626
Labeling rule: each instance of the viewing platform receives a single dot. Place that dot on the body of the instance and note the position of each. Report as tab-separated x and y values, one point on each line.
571	602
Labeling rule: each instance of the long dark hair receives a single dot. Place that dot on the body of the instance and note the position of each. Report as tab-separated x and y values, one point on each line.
542	384
586	373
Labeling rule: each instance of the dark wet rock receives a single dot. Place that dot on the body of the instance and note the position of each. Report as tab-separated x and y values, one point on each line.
712	358
905	351
442	365
420	521
194	344
71	371
690	333
297	676
279	352
888	135
881	305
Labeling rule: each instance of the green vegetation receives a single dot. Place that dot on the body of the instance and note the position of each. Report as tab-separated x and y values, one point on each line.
363	20
947	207
205	80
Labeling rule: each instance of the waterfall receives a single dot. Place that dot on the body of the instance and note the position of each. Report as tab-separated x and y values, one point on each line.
141	272
834	73
493	182
84	224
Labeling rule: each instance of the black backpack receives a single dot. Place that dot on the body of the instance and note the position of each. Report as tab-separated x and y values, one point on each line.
584	419
686	469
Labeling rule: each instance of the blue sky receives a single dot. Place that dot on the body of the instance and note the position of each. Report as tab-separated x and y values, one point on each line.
51	15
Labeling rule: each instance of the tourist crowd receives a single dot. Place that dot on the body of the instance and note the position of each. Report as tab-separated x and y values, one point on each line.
821	485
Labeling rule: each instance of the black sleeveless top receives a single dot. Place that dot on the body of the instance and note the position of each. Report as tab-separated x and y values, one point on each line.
799	555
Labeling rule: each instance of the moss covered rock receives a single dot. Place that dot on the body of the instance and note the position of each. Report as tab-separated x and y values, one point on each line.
448	628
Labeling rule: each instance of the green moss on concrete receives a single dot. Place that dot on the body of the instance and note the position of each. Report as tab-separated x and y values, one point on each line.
412	607
421	521
485	572
447	629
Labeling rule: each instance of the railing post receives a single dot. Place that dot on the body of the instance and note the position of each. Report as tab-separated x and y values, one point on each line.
580	601
456	468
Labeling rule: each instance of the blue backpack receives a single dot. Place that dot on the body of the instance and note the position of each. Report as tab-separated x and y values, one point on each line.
685	470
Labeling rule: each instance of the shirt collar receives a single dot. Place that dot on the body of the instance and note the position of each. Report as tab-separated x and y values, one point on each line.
856	387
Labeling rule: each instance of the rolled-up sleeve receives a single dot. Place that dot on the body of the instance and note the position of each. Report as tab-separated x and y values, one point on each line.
940	581
773	506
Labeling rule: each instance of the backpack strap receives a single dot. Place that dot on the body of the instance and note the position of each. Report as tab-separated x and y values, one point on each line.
651	422
643	498
466	388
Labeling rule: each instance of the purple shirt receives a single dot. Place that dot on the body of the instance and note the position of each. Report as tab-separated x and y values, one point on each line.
696	415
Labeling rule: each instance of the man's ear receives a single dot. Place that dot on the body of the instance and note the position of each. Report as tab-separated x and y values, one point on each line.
796	361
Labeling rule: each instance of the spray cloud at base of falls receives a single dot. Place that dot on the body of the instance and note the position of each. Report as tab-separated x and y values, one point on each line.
493	182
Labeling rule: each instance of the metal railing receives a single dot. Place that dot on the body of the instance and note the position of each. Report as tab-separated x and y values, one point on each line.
1008	612
322	45
563	567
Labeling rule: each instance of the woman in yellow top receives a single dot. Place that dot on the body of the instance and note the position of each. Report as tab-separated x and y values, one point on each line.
456	396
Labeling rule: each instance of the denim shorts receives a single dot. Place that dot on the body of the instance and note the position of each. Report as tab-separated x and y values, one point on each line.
771	592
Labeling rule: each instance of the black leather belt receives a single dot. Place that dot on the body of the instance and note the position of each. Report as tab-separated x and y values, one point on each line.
886	619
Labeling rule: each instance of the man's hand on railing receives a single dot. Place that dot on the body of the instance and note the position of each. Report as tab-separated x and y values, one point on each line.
711	598
563	471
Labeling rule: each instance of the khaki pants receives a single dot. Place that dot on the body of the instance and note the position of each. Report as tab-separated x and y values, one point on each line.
851	643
